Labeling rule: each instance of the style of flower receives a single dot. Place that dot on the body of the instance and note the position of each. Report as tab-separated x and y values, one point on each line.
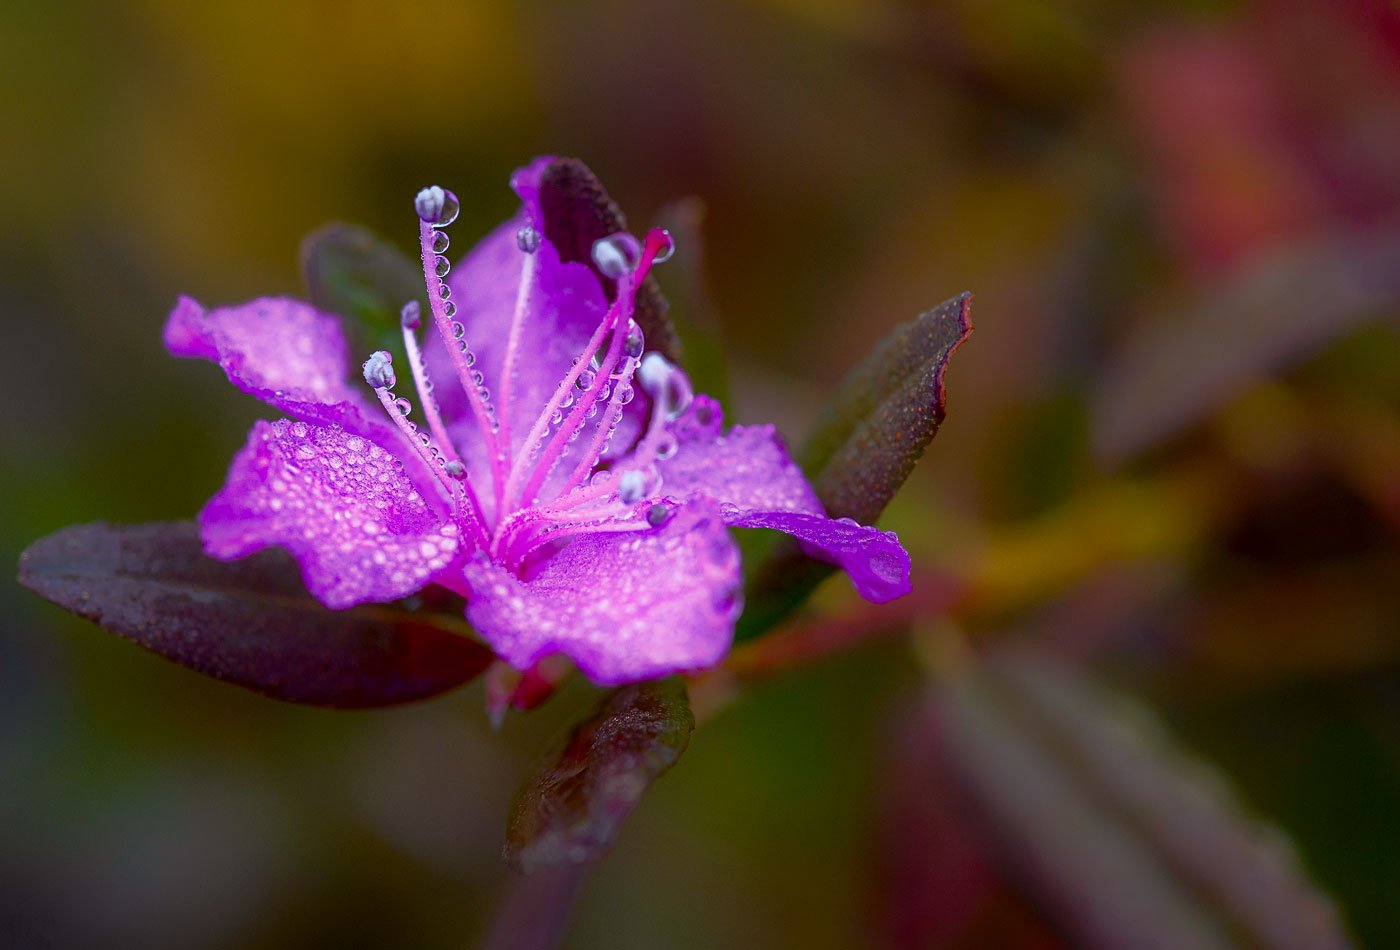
562	478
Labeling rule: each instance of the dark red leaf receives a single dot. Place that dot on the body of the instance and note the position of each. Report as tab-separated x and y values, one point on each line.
572	808
1180	368
577	212
1111	830
248	622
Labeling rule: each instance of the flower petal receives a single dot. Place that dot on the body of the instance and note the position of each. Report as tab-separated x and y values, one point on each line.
282	351
875	560
341	505
624	607
746	469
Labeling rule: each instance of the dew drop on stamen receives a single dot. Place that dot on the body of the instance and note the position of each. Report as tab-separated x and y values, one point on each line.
444	291
585	379
436	206
403	406
634	342
449	310
616	254
527	239
625	394
667	248
458	331
440	242
441	266
477	377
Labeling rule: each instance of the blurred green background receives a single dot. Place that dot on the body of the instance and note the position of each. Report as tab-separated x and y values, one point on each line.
1172	456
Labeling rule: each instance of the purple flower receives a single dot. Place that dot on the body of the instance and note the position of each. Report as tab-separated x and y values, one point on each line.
549	468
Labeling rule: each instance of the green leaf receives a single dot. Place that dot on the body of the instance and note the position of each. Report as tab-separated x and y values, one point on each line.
350	271
573	807
248	622
1110	828
577	212
863	447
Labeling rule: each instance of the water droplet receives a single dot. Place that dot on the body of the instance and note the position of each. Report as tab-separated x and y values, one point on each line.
666	447
440	242
468	356
437	206
625	394
444	291
477	377
527	239
585	379
667	245
634	342
556	417
455	469
616	254
441	266
631	487
591	411
604	392
657	515
458	331
567	400
449	310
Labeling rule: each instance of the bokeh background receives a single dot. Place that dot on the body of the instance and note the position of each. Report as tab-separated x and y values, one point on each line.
1171	462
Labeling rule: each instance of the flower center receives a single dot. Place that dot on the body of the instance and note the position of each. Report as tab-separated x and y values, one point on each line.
575	427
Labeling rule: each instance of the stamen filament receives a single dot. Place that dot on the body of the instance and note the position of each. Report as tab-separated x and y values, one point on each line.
480	410
434	463
431	412
574	423
507	382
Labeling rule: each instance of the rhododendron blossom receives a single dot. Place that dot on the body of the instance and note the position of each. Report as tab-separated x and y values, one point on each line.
524	448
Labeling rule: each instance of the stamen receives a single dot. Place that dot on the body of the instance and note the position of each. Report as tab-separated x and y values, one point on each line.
379	370
528	240
607	253
617	254
398	410
436	214
411	318
436	206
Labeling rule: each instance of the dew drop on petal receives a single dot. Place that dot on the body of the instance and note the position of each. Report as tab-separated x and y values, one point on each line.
666	447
